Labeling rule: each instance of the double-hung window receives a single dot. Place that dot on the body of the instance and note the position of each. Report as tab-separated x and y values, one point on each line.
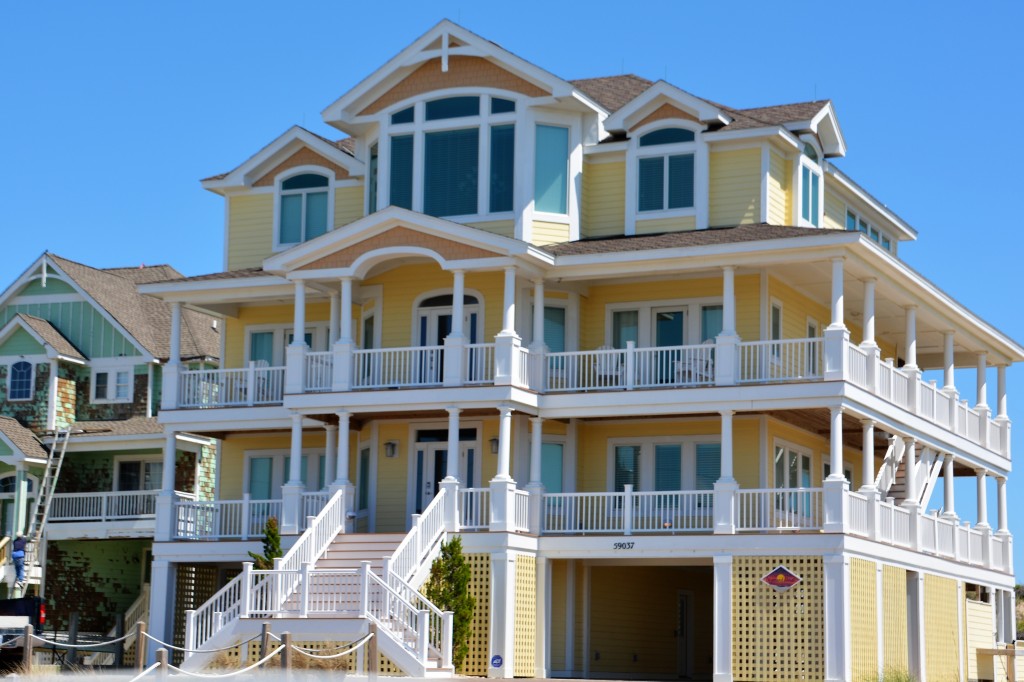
856	223
810	187
303	208
20	381
112	385
665	463
467	149
665	170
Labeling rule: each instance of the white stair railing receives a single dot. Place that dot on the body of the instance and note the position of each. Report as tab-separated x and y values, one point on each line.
890	464
419	544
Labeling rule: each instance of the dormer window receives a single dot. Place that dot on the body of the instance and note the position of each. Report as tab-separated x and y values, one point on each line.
449	157
665	172
303	209
810	187
20	382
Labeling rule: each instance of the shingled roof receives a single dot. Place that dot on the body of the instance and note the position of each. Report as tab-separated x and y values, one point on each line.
134	426
22	438
145	318
51	336
673	240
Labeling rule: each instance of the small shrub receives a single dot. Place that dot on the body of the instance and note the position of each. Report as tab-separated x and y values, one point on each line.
271	546
448	589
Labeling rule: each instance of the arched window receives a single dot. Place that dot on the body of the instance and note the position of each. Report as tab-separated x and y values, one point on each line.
20	381
8	484
665	170
810	187
303	211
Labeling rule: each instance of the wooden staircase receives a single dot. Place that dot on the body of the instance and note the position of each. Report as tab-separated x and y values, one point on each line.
350	550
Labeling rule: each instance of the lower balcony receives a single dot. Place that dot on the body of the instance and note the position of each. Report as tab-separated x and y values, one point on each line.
239	519
100	515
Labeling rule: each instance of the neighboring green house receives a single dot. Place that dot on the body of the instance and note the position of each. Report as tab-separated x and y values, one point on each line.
81	348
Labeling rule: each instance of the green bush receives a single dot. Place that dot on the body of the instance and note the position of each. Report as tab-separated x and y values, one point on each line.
448	589
271	547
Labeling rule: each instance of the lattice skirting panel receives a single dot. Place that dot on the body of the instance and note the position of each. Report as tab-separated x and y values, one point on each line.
894	613
941	628
480	639
864	618
524	663
778	635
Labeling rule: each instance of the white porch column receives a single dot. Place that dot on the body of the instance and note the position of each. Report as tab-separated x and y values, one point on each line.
458	303
345	333
838	663
504	443
1001	392
727	342
837	293
452	473
867	470
536	487
345	343
450	483
1002	526
455	342
330	454
982	499
507	342
910	362
291	491
538	317
503	488
910	467
172	370
728	300
164	521
20	499
342	448
332	328
295	353
869	313
295	455
722	653
982	400
724	509
948	363
948	501
508	327
161	604
835	486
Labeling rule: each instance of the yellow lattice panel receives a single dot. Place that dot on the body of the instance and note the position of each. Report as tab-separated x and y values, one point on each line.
525	649
942	634
864	618
894	627
777	635
480	639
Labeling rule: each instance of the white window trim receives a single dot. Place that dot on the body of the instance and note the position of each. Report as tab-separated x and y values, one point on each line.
635	152
574	175
318	329
774	303
792	447
28	477
118	459
32	360
847	470
420	127
417	306
290	173
798	182
645	317
111	368
279	469
408	450
688	446
870	227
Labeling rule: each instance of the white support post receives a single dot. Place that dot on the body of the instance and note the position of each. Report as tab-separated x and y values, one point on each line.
837	294
916	625
948	498
835	486
164	520
334	319
502	644
291	492
867	469
172	370
1001	392
341	468
342	349
982	400
538	345
724	507
330	454
455	342
982	475
910	361
727	342
536	487
507	342
161	603
838	663
53	383
1002	527
868	345
504	443
508	318
503	488
836	335
295	353
722	617
912	503
948	362
452	472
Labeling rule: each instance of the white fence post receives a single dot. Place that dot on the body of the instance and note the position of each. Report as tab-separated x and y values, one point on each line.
246	589
245	516
630	365
304	590
627	509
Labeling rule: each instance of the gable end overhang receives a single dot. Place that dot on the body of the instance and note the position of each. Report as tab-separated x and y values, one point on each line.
664	93
825	126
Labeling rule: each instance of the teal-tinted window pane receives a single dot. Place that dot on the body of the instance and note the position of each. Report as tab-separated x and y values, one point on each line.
291	219
668	467
666	136
304	181
710	321
851	222
805	199
815	181
502	106
625	327
554	329
260	469
304	472
551	467
316	214
551	180
503	140
403	116
651	174
322	469
453	107
401	171
372	180
364	479
668	328
709	465
862	226
776	323
680	181
369	325
450	174
810	153
627	466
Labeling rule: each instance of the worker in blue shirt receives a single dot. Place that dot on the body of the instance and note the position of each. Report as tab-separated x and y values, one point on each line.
18	555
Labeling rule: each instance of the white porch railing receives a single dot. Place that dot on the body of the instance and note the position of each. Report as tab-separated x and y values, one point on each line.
585	370
251	385
858	505
398	367
319	370
768	509
785	360
223	519
627	512
525	371
479	363
631	367
857	365
312	504
521	512
426	532
103	506
474	508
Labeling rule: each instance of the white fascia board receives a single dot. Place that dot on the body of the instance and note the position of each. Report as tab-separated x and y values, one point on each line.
229	419
825	125
101	442
413	400
599	149
294	137
776	134
224	289
22	280
664	93
908	232
340	111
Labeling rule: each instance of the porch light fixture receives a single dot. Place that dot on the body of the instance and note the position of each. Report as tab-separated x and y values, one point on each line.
391	448
494	446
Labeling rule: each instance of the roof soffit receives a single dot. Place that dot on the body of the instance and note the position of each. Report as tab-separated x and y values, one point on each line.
825	125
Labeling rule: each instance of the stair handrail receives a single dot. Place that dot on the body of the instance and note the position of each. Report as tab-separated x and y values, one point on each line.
438	636
931	477
318	537
890	463
427	530
390	611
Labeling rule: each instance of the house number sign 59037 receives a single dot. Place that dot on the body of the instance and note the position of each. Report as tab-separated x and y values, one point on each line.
622	545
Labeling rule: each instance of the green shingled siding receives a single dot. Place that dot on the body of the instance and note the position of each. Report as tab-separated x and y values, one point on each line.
5	451
21	343
82	324
53	286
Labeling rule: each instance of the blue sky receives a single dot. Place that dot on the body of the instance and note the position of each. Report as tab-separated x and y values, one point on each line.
111	112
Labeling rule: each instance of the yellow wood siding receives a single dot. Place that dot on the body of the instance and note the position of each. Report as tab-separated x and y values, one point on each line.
657	225
835	211
392	478
980	635
505	228
559	571
780	190
234	447
604	199
250	230
941	629
234	335
348	205
895	656
549	233
864	618
735	187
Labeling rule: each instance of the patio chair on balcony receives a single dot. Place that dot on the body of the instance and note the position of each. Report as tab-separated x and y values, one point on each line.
607	368
697	370
261	383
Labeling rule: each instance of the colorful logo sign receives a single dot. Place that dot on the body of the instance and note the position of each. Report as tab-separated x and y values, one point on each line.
496	661
781	579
